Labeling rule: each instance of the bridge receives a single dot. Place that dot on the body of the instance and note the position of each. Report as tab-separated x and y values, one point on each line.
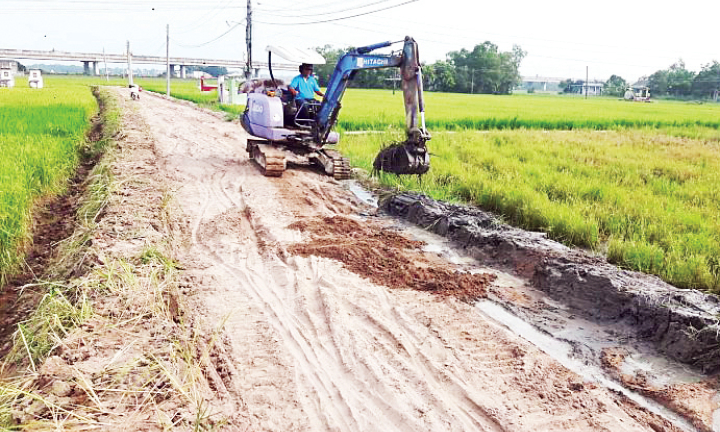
91	61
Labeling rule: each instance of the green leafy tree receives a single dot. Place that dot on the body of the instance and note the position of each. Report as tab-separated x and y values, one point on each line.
679	79
485	69
707	81
565	85
215	71
331	56
675	81
615	86
439	76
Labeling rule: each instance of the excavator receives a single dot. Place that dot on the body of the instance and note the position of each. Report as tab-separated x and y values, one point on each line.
284	133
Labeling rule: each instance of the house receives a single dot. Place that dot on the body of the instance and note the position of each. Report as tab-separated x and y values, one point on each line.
8	69
538	83
593	88
11	65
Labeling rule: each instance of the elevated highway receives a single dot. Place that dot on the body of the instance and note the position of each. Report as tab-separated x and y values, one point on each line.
91	61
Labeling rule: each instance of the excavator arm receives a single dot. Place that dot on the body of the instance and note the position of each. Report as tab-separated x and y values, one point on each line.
410	156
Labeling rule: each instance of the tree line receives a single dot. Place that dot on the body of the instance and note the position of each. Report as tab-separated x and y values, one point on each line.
675	81
484	69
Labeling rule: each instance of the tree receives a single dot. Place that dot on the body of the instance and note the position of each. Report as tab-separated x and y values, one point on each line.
439	76
331	56
215	71
679	79
615	86
707	81
565	85
675	81
485	69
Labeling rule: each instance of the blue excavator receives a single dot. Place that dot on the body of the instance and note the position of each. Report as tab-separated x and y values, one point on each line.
284	133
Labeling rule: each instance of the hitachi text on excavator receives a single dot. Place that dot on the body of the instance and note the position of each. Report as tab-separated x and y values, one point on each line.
285	132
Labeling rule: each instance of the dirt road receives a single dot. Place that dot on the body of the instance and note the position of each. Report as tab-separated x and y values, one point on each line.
307	344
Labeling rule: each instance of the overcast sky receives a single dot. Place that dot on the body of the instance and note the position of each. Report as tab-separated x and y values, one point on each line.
561	37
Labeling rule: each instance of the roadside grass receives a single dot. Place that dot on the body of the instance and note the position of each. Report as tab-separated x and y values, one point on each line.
649	200
41	134
125	295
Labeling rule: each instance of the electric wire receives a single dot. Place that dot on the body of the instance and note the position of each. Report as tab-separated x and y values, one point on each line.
210	41
342	18
324	13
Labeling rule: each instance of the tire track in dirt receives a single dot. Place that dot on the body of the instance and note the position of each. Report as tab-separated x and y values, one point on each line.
313	346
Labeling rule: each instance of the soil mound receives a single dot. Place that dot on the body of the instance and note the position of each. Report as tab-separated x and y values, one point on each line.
385	257
683	324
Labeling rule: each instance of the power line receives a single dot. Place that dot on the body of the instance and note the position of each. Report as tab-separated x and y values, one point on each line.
211	40
343	18
325	13
201	21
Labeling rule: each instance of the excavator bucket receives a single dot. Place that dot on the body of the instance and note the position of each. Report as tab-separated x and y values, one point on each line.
403	158
410	156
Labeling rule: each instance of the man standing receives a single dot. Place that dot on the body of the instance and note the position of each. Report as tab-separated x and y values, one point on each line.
304	86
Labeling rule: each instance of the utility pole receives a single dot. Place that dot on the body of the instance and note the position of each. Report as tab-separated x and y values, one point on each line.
248	41
130	77
167	57
587	84
472	80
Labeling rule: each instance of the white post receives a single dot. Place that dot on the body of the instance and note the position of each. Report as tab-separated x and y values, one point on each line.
130	72
167	94
107	76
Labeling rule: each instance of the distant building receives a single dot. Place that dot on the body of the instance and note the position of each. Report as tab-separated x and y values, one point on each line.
538	83
592	88
12	65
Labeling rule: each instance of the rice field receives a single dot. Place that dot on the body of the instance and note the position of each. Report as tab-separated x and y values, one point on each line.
378	109
648	200
40	134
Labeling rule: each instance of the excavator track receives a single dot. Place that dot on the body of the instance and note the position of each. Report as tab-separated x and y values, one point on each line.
341	168
270	160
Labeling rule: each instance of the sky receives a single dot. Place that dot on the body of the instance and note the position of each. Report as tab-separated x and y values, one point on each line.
561	37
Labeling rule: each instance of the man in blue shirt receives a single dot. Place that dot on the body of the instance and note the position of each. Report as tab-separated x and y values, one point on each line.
304	86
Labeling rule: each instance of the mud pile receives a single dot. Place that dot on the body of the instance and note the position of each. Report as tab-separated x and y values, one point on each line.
385	257
683	324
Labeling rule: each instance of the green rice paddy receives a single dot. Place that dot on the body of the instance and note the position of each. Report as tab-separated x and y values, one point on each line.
40	134
647	197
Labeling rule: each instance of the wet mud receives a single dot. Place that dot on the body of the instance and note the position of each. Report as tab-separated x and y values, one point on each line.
681	324
386	257
696	401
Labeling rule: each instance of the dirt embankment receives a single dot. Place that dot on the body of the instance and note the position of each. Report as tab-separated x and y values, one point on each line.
228	299
683	324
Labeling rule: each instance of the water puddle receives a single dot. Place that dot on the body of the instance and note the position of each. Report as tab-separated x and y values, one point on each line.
562	352
361	193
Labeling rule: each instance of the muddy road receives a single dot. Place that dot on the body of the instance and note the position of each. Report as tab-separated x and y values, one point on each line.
331	317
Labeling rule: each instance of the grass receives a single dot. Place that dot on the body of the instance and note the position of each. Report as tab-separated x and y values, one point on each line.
41	132
379	109
63	306
649	200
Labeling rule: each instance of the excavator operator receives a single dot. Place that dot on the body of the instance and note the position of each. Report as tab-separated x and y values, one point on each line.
304	86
